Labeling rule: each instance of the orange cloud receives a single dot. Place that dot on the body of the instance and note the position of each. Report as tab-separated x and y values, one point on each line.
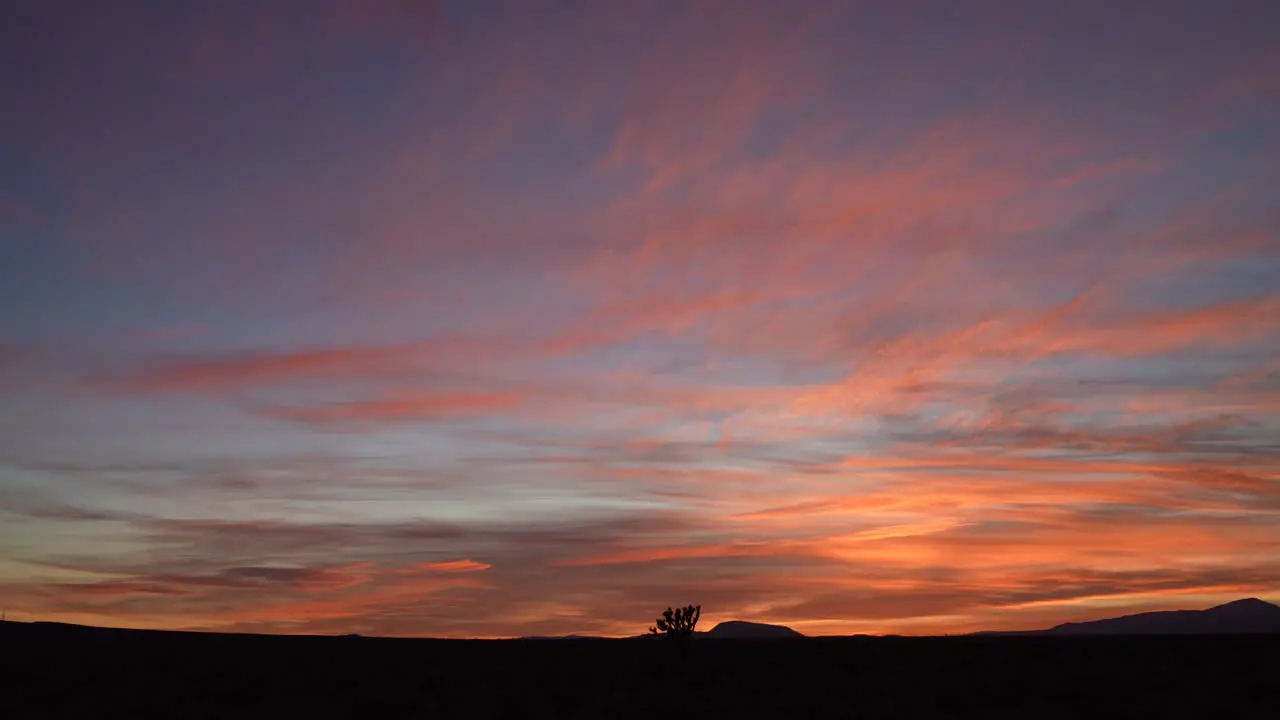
659	554
448	566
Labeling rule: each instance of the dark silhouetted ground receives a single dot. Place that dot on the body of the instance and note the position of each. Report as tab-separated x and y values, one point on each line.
58	671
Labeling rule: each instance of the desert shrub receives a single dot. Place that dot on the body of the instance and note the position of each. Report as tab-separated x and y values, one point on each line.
678	622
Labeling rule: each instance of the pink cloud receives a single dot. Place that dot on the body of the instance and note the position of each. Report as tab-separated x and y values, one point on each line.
406	406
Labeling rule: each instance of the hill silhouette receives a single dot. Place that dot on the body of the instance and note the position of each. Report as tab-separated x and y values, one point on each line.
744	629
1249	615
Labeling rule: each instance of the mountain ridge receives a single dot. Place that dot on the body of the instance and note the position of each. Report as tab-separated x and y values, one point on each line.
1244	616
1247	615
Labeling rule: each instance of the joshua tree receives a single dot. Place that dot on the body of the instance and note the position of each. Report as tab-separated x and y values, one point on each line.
677	623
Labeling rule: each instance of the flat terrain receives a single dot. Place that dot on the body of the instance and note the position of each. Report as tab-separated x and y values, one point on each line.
51	671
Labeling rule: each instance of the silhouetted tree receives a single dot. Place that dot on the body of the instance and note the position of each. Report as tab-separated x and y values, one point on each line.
677	623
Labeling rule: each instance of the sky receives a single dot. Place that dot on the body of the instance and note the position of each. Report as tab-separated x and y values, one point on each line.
484	319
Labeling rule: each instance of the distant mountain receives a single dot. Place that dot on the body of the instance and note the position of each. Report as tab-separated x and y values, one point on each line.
733	629
743	629
1250	615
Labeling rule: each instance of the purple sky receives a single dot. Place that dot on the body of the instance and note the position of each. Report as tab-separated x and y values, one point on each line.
493	318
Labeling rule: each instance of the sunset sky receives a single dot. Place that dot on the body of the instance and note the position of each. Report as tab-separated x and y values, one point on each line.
492	318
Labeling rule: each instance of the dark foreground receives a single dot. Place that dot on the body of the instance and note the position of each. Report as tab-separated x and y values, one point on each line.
83	673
